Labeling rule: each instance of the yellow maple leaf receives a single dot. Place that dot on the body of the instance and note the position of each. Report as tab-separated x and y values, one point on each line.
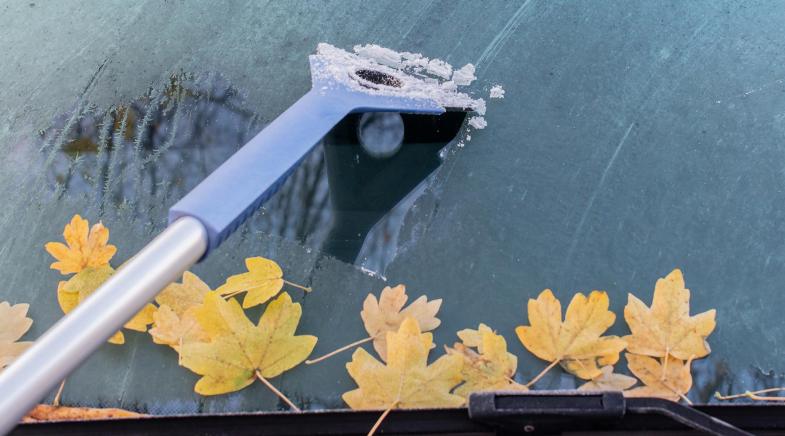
85	248
577	343
172	329
406	381
490	367
184	295
14	323
671	381
387	314
83	284
239	351
608	381
263	281
174	322
666	328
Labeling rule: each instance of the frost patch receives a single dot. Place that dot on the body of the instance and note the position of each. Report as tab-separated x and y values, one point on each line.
430	80
478	123
421	78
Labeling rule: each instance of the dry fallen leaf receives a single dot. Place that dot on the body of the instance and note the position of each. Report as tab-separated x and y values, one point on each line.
83	284
85	248
667	327
671	382
182	296
608	381
46	412
406	381
14	323
172	329
239	351
263	281
175	319
490	367
577	343
386	315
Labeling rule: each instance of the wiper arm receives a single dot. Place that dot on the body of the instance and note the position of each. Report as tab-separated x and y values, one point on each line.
554	411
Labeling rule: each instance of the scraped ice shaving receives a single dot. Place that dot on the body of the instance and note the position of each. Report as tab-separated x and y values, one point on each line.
438	67
480	109
392	58
382	55
478	123
414	61
449	86
421	78
497	91
464	76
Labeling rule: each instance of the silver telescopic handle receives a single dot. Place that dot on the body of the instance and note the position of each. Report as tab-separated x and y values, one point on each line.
72	339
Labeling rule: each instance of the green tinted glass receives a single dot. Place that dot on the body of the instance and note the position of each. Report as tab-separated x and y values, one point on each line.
632	139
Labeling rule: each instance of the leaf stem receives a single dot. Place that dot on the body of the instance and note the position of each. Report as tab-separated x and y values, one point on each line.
684	397
232	294
542	373
762	398
665	364
334	352
381	418
56	400
753	395
304	288
681	395
277	392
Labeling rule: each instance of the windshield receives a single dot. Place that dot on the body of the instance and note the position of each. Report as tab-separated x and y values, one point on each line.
630	141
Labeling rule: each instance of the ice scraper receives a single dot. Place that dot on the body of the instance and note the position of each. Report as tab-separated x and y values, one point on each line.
344	86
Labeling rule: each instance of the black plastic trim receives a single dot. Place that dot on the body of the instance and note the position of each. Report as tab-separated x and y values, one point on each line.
638	418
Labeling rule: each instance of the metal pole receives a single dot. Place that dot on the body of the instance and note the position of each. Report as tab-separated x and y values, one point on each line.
72	339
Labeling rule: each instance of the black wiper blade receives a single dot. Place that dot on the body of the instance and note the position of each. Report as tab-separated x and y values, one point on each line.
555	411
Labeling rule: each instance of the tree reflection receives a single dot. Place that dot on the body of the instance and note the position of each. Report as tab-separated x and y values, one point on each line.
144	155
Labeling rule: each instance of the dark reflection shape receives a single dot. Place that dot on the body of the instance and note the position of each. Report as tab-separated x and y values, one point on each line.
381	133
364	186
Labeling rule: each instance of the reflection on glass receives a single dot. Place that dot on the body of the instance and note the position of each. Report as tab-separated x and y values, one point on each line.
152	151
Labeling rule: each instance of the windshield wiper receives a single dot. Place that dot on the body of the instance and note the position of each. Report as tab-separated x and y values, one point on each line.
556	411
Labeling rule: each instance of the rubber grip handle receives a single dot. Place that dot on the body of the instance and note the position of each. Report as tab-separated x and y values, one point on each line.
234	191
